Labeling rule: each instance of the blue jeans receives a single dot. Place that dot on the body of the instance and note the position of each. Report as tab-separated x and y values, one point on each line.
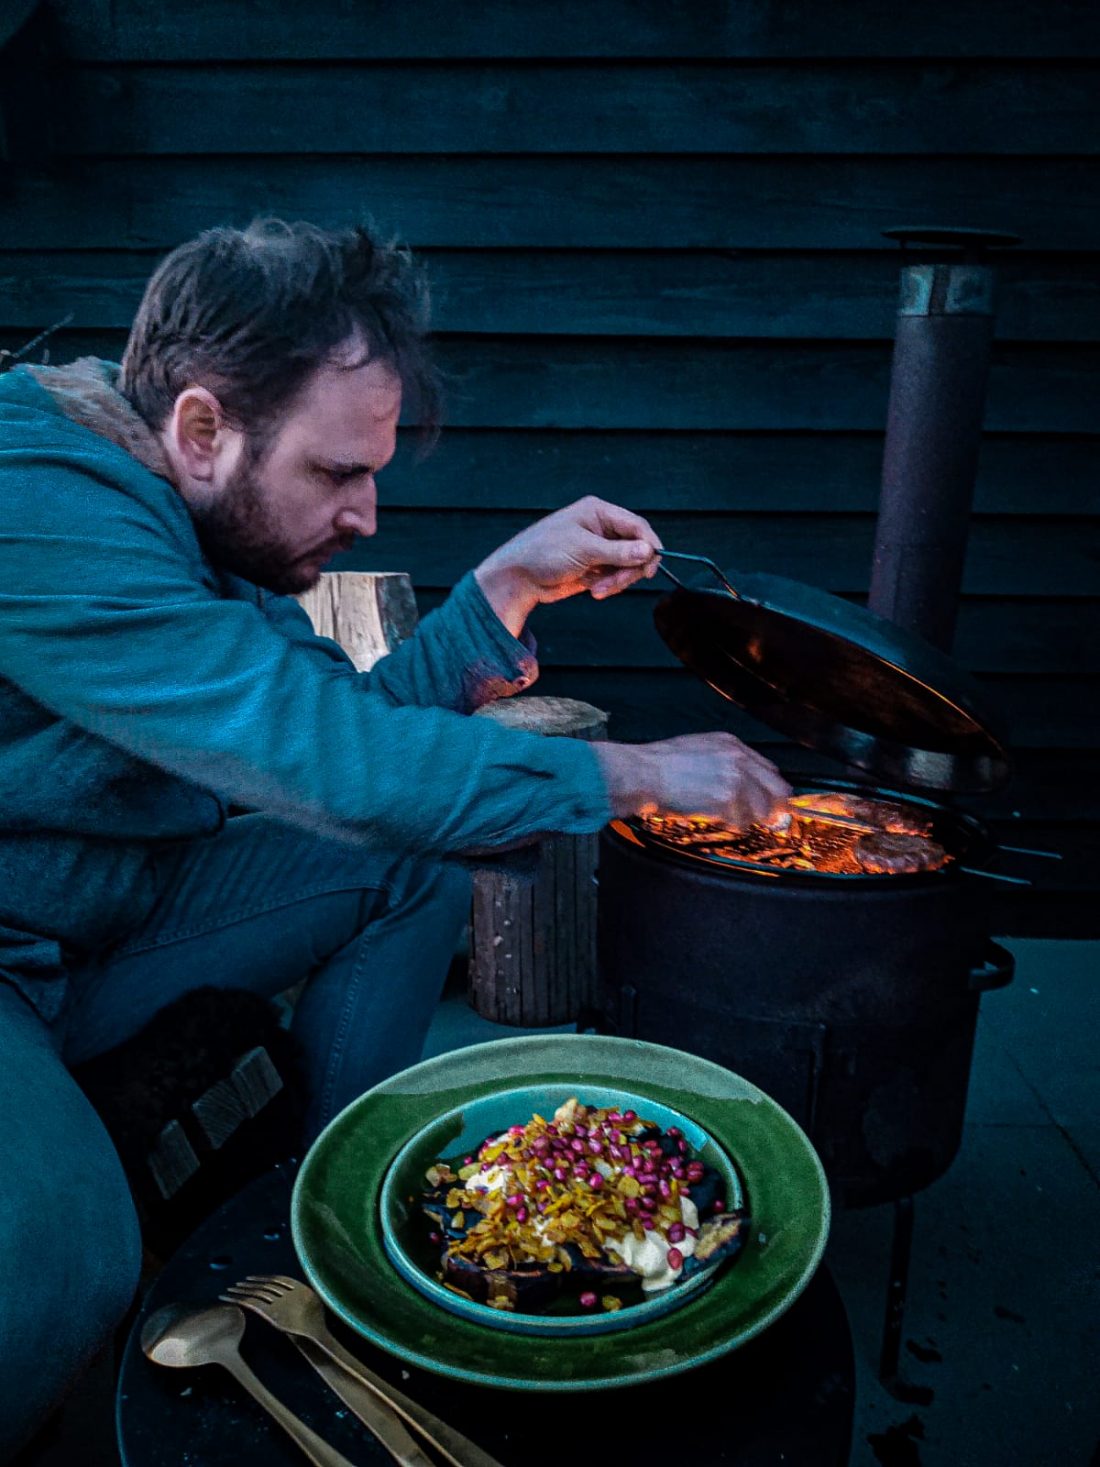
260	906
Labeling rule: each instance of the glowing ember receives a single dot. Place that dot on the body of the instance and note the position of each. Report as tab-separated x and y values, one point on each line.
828	831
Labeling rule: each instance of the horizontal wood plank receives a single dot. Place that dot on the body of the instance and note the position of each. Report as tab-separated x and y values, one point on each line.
565	383
1006	557
564	202
538	470
210	30
993	635
1039	713
576	107
795	295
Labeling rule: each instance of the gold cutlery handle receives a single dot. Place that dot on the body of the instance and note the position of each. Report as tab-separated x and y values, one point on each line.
459	1450
316	1448
369	1405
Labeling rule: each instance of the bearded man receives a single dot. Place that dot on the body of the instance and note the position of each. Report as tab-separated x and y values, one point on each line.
157	676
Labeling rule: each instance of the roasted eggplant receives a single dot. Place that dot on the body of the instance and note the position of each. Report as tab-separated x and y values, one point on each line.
592	1206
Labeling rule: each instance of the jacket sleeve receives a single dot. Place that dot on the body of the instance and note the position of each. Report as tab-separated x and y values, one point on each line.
461	656
105	619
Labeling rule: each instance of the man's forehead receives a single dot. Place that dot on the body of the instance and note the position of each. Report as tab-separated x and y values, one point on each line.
349	397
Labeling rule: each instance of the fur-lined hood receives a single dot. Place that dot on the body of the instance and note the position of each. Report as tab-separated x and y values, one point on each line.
87	391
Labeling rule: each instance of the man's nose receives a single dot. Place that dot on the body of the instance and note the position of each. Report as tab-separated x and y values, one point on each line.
360	517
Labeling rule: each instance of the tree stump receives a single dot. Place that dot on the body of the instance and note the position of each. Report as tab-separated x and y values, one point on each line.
368	612
533	939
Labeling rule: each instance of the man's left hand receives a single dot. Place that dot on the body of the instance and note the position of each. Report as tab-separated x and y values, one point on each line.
589	546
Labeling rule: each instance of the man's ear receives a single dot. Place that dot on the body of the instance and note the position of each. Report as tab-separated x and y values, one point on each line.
198	434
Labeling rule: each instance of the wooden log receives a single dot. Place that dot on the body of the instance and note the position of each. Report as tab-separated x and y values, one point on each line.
533	939
367	612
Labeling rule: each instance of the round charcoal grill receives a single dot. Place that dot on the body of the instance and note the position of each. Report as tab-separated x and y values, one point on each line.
850	997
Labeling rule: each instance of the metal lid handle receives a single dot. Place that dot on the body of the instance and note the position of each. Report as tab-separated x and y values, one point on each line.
700	560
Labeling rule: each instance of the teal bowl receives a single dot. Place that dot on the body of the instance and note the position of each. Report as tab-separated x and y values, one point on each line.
460	1131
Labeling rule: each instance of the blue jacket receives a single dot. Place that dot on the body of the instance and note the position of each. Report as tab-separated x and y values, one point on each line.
143	691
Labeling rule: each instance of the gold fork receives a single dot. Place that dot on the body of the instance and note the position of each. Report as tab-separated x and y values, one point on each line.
294	1308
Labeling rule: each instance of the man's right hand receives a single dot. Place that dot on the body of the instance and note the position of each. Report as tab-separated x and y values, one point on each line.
711	774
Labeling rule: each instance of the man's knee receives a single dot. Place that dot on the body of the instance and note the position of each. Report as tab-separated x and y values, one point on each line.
69	1235
425	880
72	1258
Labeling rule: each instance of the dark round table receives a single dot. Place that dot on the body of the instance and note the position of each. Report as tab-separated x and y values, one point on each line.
786	1397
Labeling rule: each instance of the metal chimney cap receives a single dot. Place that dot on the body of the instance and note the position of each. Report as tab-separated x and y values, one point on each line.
943	234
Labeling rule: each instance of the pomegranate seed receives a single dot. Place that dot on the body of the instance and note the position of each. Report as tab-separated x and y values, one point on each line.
631	1204
719	1204
675	1258
435	1237
587	1299
521	1214
560	1174
674	1131
664	1189
515	1200
629	1116
677	1233
595	1146
595	1181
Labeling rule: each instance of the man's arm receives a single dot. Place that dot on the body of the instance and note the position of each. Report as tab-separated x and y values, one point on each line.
461	656
104	620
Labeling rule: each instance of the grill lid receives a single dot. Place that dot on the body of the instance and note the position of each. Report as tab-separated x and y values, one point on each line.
835	677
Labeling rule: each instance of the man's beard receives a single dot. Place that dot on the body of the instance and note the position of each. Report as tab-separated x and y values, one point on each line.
238	533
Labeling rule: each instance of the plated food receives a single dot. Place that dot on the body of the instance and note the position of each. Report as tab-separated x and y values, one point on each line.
592	1208
358	1224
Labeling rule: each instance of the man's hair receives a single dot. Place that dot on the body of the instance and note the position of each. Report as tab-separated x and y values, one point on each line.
251	314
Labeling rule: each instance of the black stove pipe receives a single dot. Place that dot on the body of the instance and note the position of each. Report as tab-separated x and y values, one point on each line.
933	429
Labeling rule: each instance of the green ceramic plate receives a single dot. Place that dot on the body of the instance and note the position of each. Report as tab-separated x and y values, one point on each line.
459	1131
338	1235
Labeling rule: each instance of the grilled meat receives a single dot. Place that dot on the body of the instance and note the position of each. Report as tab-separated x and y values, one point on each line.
883	854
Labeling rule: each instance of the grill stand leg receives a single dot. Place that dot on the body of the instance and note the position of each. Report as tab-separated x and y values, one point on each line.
889	1361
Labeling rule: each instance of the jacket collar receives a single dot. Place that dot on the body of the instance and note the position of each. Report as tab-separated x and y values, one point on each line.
87	391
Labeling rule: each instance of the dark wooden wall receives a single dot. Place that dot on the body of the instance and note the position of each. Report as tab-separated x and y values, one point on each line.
655	236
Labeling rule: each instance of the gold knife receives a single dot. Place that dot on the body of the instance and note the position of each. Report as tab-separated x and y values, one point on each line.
370	1403
377	1417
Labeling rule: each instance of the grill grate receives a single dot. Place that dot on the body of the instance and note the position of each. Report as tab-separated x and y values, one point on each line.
887	841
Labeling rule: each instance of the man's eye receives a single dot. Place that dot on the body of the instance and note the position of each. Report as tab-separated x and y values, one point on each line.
342	476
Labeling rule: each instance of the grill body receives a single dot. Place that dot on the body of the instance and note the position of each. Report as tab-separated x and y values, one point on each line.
852	1002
